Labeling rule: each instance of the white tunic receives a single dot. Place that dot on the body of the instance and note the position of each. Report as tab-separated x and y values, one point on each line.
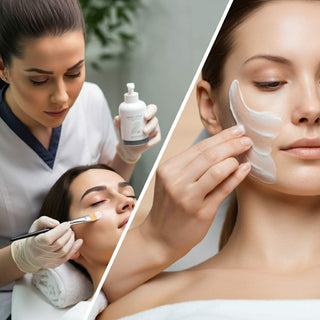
87	137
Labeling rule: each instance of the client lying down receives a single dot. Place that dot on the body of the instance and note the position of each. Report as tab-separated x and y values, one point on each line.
79	192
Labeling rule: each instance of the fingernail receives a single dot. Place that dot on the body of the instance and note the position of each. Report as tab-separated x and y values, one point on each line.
147	114
245	141
53	222
245	166
239	129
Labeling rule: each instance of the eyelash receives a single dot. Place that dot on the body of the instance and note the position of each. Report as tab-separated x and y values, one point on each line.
39	83
96	203
271	85
101	201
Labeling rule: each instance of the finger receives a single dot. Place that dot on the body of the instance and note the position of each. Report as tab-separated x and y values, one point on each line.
48	238
215	198
206	159
182	160
150	112
154	132
214	176
116	122
43	222
154	140
74	251
63	245
151	126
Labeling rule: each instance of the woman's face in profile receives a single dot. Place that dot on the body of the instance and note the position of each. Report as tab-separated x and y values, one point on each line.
104	191
276	59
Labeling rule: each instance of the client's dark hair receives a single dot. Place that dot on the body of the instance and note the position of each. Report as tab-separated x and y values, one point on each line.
58	200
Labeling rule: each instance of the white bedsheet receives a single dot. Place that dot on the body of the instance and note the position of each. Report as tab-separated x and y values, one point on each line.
29	303
234	310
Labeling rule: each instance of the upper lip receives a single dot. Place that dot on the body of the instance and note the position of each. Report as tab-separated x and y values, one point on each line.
124	221
303	143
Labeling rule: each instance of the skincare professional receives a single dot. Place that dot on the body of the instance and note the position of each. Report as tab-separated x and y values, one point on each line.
50	121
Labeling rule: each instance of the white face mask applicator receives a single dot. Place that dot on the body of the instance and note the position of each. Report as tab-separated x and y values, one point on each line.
262	128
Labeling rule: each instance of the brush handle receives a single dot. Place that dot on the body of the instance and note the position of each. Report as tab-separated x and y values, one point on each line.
31	234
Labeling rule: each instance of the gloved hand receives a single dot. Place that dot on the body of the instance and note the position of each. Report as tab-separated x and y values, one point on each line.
131	154
46	250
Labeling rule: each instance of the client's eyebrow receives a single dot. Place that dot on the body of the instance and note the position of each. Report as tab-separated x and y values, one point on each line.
93	189
50	72
124	184
269	57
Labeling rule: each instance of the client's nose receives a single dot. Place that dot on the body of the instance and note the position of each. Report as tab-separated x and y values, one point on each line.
125	204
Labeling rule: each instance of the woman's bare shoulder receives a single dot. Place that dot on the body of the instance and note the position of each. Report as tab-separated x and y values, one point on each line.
166	288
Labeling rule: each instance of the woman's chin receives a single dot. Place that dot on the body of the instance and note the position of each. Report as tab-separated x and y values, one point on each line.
291	184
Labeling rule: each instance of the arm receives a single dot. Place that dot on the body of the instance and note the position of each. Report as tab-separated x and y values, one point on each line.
188	192
165	288
8	269
47	250
124	168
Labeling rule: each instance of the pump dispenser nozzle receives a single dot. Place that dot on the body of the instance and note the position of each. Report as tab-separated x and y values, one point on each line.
130	87
131	96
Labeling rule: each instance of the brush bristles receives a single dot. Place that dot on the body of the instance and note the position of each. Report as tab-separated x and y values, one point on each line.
95	216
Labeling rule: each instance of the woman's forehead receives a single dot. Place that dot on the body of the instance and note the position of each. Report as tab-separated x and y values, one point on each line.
285	29
95	177
280	25
47	51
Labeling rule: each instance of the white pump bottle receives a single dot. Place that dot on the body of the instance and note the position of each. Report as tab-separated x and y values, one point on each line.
131	113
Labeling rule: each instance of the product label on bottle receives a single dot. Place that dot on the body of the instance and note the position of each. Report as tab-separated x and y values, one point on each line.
132	124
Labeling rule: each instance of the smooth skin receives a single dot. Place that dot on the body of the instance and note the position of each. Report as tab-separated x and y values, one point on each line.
276	239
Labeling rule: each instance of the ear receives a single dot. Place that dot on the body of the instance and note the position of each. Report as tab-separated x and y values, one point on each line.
3	71
207	107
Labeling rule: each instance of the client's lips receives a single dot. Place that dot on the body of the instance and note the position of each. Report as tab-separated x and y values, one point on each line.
304	149
57	114
124	222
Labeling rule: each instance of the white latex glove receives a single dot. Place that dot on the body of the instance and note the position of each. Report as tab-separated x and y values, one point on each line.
46	250
131	154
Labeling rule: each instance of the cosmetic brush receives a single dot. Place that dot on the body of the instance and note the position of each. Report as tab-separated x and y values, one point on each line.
89	218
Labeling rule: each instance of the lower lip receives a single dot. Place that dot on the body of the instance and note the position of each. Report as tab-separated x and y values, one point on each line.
57	114
124	223
305	153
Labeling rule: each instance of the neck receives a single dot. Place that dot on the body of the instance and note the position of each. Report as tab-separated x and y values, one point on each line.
274	231
96	271
42	133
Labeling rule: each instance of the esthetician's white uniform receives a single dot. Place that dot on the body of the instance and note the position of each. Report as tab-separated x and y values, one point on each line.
28	170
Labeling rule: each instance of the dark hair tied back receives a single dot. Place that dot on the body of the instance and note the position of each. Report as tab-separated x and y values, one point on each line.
23	19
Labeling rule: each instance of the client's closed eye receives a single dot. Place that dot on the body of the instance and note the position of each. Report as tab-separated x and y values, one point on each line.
97	203
269	85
